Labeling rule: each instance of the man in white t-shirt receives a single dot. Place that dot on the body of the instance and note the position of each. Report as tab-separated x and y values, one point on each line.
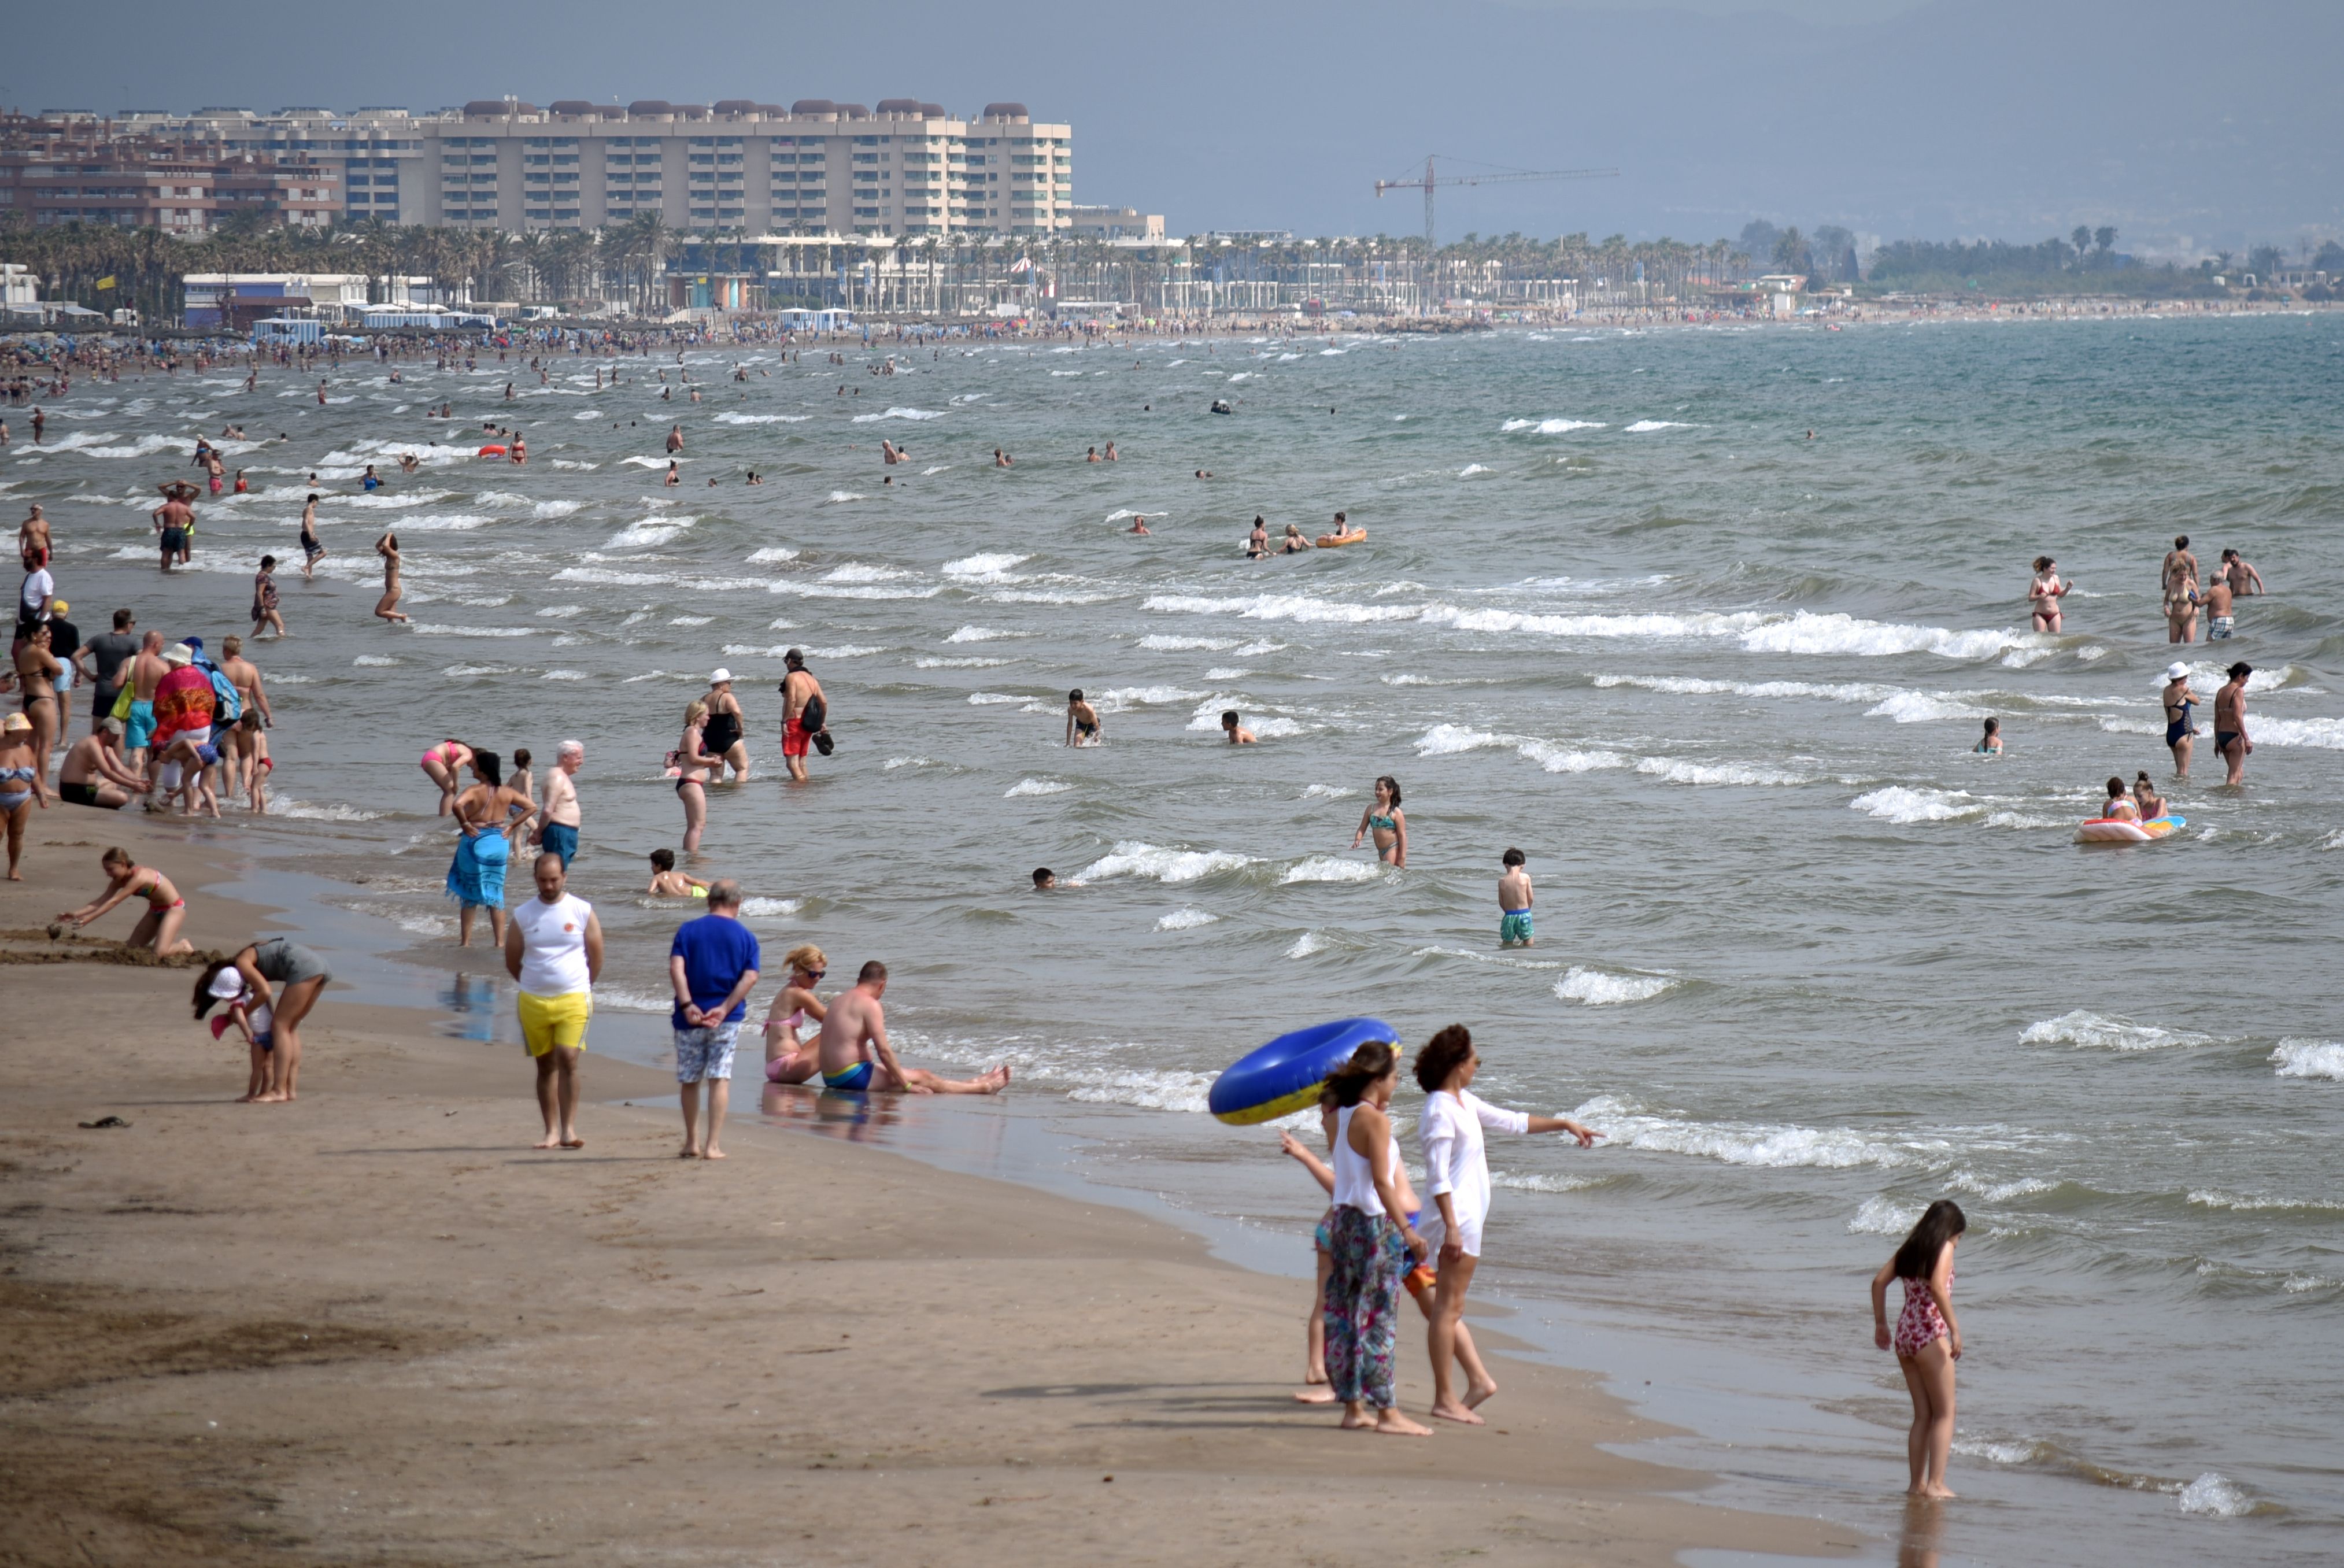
553	947
33	600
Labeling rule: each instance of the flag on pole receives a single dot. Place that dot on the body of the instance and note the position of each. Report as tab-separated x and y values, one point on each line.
105	282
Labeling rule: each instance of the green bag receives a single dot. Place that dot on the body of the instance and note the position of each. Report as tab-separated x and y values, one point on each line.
122	701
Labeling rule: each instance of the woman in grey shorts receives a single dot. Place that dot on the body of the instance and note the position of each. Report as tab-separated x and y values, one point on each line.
303	974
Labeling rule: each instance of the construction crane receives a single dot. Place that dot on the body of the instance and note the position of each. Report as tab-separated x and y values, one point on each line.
1429	180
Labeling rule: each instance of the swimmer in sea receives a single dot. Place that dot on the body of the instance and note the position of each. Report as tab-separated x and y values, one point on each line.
1257	542
2239	572
311	550
1044	879
1515	898
1387	822
673	478
1344	533
1294	542
2045	593
1002	459
667	882
1082	721
386	607
2181	730
2230	742
1990	743
2220	620
2145	798
2119	807
1239	735
1138	524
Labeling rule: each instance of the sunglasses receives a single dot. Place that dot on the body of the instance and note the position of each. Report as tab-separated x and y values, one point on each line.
817	974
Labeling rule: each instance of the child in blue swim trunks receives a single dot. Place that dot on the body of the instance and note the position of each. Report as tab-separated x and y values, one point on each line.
1514	901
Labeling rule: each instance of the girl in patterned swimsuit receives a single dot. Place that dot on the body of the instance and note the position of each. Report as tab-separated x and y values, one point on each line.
1927	1340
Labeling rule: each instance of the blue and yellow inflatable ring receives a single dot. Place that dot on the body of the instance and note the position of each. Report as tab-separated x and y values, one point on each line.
1283	1077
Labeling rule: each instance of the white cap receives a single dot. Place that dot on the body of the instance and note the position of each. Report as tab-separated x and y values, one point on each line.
229	984
2176	671
720	677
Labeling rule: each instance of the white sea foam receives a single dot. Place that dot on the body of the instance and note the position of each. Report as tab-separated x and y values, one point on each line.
307	810
1036	787
2309	1059
729	419
1884	1216
1121	697
1550	427
1149	1090
892	764
989	699
1185	920
1645	426
373	662
1597	989
771	553
1309	942
420	630
1897	803
898	414
1158	642
1448	740
1129	857
753	907
1328	869
565	675
1469	470
2326	734
2214	1495
1673	770
1921	707
645	534
1808	632
979	635
987	567
2094	1031
933	664
1736	1143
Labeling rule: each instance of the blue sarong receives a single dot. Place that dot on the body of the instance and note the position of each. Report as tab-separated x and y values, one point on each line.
477	874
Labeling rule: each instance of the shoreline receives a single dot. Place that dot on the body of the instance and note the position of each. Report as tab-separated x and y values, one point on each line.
435	1415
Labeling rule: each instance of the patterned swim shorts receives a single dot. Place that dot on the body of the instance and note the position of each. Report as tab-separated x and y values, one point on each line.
705	1052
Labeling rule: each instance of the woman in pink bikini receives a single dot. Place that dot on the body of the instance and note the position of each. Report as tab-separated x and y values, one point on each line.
440	764
1927	1340
787	1059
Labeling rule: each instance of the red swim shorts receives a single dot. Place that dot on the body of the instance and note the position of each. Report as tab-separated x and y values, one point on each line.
793	739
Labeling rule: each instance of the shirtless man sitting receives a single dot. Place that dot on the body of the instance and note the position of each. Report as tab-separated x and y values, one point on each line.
92	775
853	1055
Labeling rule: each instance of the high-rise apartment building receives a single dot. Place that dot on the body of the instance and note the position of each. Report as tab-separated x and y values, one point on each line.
906	168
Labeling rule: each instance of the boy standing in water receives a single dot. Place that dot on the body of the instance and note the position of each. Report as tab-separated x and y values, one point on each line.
1082	721
1514	901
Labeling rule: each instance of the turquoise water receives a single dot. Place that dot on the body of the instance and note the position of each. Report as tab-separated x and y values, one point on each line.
1809	961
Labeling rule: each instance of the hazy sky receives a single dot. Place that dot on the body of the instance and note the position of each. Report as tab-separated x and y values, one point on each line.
2016	118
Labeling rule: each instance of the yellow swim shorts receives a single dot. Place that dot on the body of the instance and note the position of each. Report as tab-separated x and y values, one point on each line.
549	1021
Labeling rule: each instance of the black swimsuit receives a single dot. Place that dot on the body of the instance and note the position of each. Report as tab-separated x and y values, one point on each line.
720	735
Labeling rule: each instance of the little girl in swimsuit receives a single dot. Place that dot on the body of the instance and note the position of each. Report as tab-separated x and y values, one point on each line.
1387	822
1927	1340
787	1060
159	928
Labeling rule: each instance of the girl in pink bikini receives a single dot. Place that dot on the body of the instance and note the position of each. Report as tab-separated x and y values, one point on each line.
440	764
788	1060
1927	1340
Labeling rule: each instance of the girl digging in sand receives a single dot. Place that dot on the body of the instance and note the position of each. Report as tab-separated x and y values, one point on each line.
159	928
1927	1340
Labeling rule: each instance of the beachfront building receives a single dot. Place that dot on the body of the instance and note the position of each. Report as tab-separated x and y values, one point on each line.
1115	223
736	166
56	168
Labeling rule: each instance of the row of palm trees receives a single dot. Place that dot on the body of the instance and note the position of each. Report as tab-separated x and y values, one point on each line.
628	260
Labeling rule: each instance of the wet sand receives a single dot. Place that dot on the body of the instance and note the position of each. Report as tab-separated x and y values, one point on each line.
376	1326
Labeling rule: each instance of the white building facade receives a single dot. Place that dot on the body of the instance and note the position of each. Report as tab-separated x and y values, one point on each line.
906	168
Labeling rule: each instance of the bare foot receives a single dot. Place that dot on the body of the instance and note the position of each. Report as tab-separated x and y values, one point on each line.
1932	1491
687	1152
1357	1420
996	1080
1477	1394
714	1153
572	1141
548	1141
271	1099
1458	1412
1314	1397
1317	1374
1391	1423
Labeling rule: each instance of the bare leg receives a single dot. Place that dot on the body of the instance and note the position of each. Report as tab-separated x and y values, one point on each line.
256	1082
1450	1342
690	1094
720	1095
988	1083
437	771
293	1004
737	758
1935	1367
1917	1436
2234	755
547	1105
695	815
464	924
496	929
167	939
1314	1340
2182	750
16	839
566	1093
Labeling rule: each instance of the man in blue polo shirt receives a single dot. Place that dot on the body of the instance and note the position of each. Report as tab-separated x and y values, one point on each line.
712	963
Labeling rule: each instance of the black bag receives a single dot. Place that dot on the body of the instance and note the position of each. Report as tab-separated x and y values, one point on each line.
814	717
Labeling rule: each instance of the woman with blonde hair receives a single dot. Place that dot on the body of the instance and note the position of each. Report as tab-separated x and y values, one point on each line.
787	1061
692	765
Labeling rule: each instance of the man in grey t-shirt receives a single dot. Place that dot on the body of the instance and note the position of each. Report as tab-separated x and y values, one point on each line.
110	655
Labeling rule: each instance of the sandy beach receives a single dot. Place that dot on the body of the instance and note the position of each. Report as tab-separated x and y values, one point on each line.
374	1326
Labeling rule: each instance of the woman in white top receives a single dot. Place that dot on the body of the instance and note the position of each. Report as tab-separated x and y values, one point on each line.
1369	1250
1457	1173
553	947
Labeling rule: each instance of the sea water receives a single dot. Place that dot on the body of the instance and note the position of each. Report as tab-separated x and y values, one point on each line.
1807	961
